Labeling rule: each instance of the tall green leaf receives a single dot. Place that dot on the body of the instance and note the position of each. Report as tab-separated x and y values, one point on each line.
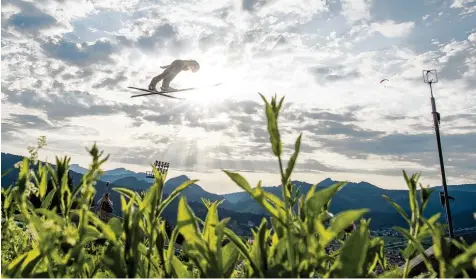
229	258
353	254
293	159
186	222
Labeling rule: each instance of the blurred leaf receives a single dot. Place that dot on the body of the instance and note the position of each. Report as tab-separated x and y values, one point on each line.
229	258
105	229
179	269
23	176
209	229
325	236
414	243
465	260
43	180
186	222
394	273
6	172
47	201
128	193
116	226
243	250
273	127
293	159
345	219
170	252
26	264
353	254
314	205
260	244
398	208
239	180
175	194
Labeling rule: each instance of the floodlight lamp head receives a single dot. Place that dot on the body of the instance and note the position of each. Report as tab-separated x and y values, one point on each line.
430	76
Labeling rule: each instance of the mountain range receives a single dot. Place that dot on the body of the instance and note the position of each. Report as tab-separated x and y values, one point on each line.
241	208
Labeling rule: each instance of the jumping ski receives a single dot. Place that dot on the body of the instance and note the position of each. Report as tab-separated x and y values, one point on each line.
152	92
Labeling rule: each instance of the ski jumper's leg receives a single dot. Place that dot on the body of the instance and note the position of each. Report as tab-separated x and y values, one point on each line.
168	78
156	79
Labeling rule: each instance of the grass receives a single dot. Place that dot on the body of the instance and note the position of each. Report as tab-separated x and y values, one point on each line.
65	239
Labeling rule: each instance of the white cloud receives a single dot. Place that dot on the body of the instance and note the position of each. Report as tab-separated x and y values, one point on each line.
472	37
391	29
355	10
469	6
302	10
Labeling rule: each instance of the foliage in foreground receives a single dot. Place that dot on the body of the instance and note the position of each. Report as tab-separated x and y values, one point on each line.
70	241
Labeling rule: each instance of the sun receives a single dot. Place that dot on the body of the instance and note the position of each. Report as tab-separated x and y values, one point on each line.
212	84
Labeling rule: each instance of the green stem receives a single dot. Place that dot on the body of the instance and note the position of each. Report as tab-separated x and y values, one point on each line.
288	220
414	230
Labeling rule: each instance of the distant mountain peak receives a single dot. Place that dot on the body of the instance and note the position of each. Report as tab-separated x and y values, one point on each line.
174	182
77	168
366	184
121	169
329	180
180	178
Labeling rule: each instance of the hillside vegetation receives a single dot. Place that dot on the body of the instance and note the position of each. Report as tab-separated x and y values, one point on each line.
62	238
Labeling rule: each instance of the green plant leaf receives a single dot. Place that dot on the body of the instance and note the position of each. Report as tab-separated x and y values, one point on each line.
259	195
116	226
128	193
280	104
243	250
186	222
415	244
394	273
465	260
239	180
398	208
345	219
47	201
260	246
209	230
170	251
316	203
353	254
28	263
179	269
105	229
43	180
273	127
175	194
23	176
293	159
229	258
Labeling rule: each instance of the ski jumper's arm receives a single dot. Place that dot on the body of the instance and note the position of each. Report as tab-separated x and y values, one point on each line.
175	64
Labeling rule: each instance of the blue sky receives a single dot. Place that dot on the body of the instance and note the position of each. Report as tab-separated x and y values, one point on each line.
66	66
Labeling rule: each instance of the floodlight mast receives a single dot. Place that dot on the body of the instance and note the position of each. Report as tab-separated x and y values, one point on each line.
430	77
162	167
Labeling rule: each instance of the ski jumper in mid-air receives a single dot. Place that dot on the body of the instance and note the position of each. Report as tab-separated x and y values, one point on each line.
171	71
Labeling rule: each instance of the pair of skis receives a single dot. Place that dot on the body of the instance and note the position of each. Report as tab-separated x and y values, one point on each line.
162	93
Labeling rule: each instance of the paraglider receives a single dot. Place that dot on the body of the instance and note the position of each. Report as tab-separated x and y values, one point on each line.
384	82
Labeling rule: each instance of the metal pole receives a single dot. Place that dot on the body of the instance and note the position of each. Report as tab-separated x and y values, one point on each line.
442	166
